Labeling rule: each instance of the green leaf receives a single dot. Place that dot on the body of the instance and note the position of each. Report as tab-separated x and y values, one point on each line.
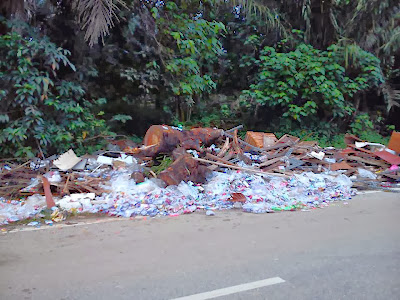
121	118
4	118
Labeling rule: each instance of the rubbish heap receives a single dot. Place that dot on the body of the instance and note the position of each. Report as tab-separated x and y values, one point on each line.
179	171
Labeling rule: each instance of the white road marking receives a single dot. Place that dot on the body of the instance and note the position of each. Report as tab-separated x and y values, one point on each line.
233	289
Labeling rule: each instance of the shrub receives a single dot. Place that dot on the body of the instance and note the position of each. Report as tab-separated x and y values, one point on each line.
306	82
37	106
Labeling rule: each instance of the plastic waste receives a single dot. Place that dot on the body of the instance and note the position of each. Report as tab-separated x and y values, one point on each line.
105	160
366	174
237	205
67	160
53	176
34	223
35	182
210	213
13	211
81	202
193	152
320	155
37	163
151	198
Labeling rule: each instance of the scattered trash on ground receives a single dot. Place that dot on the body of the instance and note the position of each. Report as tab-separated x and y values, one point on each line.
179	171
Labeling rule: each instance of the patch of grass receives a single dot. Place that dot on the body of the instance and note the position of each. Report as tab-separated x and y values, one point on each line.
374	137
165	162
136	139
326	139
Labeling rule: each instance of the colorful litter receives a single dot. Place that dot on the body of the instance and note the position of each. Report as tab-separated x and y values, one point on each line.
178	172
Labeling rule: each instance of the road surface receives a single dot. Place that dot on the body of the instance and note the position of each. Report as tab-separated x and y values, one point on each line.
345	251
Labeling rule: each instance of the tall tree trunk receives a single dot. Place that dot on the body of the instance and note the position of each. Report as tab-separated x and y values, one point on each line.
13	9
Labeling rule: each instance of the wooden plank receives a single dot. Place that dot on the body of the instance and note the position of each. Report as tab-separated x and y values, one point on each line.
373	162
239	168
271	161
224	149
211	156
273	166
246	144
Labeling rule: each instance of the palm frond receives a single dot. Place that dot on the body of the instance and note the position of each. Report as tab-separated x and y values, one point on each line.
97	17
263	10
349	50
392	96
371	39
371	16
392	45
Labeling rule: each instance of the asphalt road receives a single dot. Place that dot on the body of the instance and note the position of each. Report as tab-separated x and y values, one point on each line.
345	251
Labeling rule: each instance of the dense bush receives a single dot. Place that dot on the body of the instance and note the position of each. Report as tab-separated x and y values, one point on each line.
282	66
40	109
310	83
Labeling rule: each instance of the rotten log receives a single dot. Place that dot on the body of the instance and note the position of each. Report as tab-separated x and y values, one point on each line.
184	168
164	139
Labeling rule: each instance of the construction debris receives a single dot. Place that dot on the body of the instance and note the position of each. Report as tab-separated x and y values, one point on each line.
260	139
394	142
67	160
164	139
184	168
179	171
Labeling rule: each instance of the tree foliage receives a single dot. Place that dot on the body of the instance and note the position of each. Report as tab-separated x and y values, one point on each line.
270	64
38	108
307	81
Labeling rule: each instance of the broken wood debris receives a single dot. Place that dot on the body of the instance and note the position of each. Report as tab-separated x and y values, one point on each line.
194	153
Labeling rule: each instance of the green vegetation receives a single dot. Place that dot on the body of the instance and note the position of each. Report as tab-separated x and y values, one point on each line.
164	163
309	83
73	72
41	107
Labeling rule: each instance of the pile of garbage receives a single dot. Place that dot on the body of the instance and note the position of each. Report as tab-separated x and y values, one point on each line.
179	171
